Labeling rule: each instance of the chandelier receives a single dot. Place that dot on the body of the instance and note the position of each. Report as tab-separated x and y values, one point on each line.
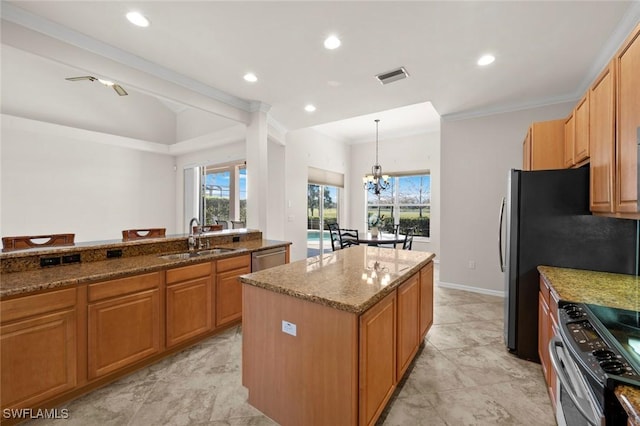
376	181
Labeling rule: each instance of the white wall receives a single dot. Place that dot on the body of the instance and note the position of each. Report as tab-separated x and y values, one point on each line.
410	153
477	154
52	183
276	211
305	148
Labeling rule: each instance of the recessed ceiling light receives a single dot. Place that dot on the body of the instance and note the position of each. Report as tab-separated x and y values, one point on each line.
332	42
486	60
309	108
250	77
137	18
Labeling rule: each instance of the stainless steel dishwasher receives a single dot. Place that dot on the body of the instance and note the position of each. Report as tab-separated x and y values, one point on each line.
269	258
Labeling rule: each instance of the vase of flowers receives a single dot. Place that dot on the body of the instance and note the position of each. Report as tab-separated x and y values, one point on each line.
374	222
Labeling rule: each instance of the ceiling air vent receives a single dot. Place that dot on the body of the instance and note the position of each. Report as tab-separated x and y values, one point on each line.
391	76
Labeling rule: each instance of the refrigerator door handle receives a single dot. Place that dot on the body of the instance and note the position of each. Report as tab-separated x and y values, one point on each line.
500	235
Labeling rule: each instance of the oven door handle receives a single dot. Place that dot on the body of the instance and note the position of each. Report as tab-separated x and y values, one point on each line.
556	342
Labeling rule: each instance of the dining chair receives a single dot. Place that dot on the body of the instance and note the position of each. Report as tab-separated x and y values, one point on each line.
31	241
237	224
348	237
408	239
396	229
334	232
138	234
223	223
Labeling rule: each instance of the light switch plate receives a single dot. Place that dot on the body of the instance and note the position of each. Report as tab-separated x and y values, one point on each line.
289	328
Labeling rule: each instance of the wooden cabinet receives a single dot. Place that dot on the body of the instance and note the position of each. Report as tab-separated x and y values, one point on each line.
581	136
627	66
602	140
189	302
543	147
569	140
38	342
124	322
377	358
228	297
426	299
408	322
547	329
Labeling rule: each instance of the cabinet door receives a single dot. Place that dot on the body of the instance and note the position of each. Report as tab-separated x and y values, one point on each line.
408	322
377	358
628	123
526	152
581	143
189	309
229	296
547	145
426	299
38	358
569	140
123	330
543	336
602	140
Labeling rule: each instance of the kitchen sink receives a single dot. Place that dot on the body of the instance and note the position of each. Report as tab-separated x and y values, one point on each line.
192	254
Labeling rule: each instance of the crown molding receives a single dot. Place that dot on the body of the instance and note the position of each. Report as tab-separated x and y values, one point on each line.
59	32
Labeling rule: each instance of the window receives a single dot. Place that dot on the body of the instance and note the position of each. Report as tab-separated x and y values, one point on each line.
407	203
224	193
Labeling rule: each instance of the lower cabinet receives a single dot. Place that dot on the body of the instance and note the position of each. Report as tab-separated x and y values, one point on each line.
228	295
377	358
38	342
189	302
547	329
123	322
408	322
426	299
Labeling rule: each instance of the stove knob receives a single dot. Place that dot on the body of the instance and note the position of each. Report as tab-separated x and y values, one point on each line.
603	354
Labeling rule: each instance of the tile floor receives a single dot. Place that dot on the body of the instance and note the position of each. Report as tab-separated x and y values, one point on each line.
462	376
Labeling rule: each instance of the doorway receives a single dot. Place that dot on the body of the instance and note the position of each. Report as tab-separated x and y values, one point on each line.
322	209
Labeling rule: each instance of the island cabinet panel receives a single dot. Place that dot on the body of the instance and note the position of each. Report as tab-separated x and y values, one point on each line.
228	297
124	329
426	299
38	348
628	124
189	302
378	357
602	141
408	322
310	378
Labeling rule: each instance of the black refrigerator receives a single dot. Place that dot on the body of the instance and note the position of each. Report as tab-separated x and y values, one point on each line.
547	221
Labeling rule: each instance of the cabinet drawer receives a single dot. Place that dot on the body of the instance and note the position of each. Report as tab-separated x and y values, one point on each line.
231	263
27	306
123	286
189	272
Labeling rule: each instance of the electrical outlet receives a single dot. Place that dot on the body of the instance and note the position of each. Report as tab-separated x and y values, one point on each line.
289	328
472	264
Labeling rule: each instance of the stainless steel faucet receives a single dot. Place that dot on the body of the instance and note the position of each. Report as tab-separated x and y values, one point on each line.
192	240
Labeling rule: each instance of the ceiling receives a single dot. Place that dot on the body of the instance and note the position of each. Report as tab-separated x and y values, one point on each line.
546	52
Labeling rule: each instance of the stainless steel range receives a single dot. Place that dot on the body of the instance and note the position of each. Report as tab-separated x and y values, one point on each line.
598	348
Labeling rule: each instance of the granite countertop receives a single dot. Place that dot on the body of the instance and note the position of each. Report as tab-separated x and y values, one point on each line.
605	289
351	280
15	283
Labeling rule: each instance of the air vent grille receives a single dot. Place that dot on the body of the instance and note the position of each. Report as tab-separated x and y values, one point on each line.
391	76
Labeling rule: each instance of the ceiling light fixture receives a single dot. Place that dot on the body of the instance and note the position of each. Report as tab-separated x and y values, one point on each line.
332	42
376	182
138	19
250	77
310	108
486	60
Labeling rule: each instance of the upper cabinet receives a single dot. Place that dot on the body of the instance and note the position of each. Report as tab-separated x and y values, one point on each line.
627	68
543	146
581	137
569	140
602	135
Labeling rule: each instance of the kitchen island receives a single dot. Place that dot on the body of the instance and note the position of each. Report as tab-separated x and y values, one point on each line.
327	339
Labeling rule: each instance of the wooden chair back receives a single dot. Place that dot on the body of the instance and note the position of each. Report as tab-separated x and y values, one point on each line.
408	239
206	228
237	224
33	241
138	234
348	237
334	232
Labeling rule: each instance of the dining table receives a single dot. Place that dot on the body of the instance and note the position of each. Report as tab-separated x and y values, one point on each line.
382	239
